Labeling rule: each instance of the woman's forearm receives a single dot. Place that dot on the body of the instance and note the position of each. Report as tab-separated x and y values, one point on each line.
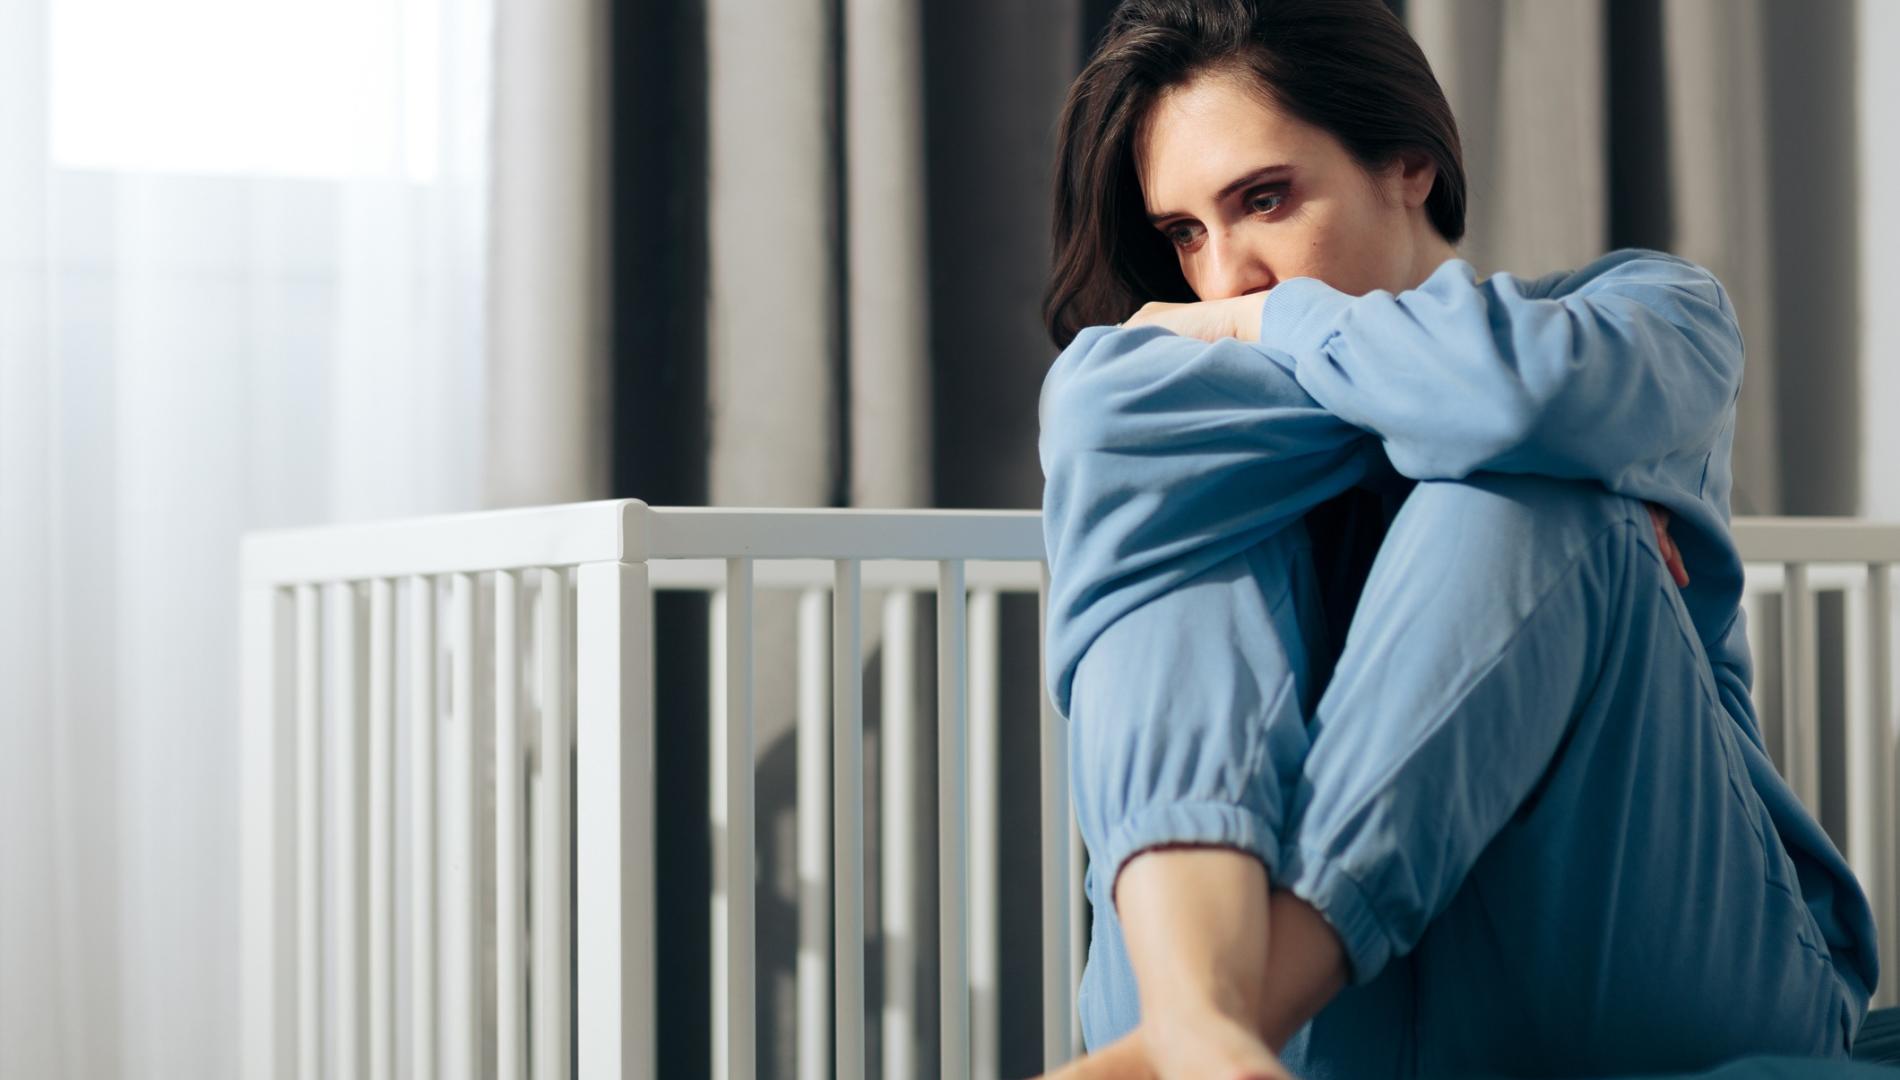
1306	967
1227	970
1196	922
1205	930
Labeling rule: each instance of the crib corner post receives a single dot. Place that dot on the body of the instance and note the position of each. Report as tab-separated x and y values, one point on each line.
267	840
614	822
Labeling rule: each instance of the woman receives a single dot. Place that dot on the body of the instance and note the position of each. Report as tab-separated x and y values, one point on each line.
1516	819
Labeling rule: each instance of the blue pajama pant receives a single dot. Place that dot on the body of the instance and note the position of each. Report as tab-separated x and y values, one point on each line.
1518	800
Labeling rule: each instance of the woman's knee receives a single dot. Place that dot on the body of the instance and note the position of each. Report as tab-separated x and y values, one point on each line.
1473	558
1515	506
1488	522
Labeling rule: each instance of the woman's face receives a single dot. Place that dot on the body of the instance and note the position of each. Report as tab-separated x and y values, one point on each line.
1249	196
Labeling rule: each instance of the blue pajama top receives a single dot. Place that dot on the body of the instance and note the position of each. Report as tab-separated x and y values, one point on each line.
1164	455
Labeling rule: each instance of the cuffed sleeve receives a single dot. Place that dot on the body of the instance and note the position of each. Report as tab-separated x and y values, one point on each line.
1342	902
1214	824
1299	314
1189	712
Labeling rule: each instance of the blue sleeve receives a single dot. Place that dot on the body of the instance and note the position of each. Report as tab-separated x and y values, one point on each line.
1625	371
1164	455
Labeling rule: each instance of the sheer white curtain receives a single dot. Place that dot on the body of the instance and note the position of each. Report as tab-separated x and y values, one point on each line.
244	255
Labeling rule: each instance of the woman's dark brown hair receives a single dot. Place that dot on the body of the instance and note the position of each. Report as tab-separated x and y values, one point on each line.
1347	67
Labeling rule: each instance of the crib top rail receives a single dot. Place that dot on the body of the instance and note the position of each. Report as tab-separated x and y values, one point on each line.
629	530
1816	539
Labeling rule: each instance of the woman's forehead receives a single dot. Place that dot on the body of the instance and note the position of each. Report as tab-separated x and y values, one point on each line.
1198	137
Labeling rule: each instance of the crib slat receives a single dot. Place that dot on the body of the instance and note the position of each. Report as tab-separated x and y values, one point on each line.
510	991
1801	736
1755	607
268	904
613	821
897	823
739	1002
1882	808
814	838
460	986
985	654
1078	925
953	821
422	824
718	737
309	832
382	801
1056	1004
553	1054
351	987
847	788
1077	901
1860	758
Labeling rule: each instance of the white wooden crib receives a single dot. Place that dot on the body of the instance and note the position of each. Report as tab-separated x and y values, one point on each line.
460	958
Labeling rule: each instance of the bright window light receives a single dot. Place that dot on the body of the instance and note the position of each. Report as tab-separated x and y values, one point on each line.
311	88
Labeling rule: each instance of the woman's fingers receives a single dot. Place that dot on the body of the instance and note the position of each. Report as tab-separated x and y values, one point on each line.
1672	557
1209	320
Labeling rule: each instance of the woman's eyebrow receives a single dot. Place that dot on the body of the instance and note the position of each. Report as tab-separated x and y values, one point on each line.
1252	176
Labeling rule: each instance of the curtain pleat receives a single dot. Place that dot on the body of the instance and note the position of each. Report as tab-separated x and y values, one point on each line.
886	266
1718	190
772	311
549	409
1526	83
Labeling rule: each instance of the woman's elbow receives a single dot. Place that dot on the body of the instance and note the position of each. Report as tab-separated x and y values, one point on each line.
1079	409
1074	424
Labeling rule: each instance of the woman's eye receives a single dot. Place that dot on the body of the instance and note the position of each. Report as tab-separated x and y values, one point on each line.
1180	235
1265	202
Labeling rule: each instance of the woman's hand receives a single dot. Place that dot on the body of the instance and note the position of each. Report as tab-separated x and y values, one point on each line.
1209	320
1671	557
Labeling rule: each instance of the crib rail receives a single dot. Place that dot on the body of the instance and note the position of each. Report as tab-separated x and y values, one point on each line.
564	650
434	710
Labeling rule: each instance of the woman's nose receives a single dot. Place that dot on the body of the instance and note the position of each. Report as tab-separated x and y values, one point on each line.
1232	270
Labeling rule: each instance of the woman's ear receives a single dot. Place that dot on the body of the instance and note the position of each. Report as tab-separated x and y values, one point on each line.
1407	179
1415	174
